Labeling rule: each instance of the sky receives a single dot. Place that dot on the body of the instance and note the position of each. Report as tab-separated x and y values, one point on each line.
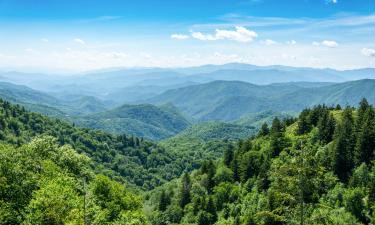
81	35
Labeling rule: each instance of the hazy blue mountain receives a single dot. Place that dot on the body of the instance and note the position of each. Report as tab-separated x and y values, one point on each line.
133	84
144	120
231	100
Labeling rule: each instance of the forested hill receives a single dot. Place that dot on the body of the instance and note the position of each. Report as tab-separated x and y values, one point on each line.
42	183
140	163
319	169
144	120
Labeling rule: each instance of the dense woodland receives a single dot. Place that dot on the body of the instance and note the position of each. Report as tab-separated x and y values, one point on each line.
315	169
318	169
140	163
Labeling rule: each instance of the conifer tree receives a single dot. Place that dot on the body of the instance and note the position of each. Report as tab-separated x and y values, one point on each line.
343	148
185	197
365	144
326	127
164	201
278	141
228	155
304	123
264	130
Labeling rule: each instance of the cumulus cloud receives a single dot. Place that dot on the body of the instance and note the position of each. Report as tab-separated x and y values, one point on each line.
326	43
203	37
79	41
268	42
240	34
45	40
370	52
291	42
330	44
179	36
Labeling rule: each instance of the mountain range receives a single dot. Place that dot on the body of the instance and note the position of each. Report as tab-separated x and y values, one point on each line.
158	103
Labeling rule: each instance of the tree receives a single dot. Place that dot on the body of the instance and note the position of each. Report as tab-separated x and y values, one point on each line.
365	144
278	141
264	130
304	123
185	197
228	155
343	147
164	201
326	127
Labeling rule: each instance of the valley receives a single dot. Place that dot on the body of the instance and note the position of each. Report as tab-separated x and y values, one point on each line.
196	151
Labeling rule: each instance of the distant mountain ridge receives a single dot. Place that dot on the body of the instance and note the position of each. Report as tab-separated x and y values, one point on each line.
111	84
231	100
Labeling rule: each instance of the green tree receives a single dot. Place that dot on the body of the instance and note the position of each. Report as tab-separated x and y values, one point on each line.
304	122
343	148
326	127
264	130
164	200
185	196
365	144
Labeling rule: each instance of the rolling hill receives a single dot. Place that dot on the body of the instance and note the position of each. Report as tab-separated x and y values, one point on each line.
232	100
144	120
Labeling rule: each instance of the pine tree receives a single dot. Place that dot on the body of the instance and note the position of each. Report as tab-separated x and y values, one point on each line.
304	123
210	176
326	127
365	145
211	209
264	130
185	197
228	155
278	141
343	148
235	167
164	201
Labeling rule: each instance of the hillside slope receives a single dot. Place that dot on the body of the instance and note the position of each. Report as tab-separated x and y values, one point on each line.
145	120
231	100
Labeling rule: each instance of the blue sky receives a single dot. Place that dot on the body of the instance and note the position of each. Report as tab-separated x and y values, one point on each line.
79	35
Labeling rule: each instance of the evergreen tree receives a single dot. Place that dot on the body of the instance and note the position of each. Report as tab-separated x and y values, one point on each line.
210	176
365	145
304	123
278	140
185	197
228	155
326	127
235	167
343	148
211	209
264	130
164	201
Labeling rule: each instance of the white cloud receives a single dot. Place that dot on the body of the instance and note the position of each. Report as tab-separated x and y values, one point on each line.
241	34
268	42
370	52
316	43
291	42
330	44
203	37
79	41
44	40
179	36
331	1
326	43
